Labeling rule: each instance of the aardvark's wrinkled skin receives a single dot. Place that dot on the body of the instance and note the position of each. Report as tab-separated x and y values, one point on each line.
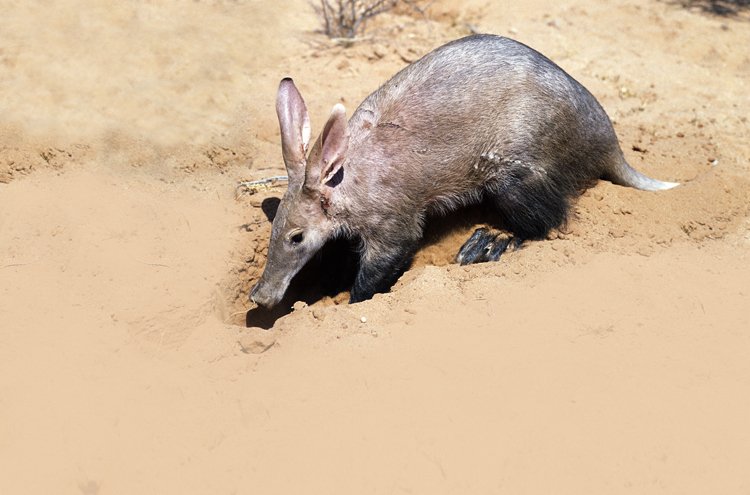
483	118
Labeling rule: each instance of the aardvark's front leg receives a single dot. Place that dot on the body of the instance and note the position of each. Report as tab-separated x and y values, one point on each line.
380	267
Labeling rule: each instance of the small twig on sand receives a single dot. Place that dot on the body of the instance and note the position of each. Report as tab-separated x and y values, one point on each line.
10	265
243	312
253	186
153	264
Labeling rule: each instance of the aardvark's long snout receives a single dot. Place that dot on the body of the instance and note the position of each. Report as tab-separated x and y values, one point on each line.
263	295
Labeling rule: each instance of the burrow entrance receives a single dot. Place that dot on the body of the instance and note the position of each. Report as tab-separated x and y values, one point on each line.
329	275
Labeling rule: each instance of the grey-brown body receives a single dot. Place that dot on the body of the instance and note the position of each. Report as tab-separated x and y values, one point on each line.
481	118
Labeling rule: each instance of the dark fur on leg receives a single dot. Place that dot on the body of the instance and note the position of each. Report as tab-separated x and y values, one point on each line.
530	204
378	273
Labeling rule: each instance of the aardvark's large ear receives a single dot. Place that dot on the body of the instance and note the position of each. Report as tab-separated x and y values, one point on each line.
335	139
295	128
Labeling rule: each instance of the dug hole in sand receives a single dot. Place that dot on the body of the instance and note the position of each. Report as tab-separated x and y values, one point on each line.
610	358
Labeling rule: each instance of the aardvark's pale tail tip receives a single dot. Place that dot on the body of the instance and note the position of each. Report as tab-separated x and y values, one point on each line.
668	185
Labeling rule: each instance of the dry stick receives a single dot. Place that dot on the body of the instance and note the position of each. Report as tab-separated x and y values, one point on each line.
371	11
153	264
17	264
422	10
253	186
324	8
237	313
346	17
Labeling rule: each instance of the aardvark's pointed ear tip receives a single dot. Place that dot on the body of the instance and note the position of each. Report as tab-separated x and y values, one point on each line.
338	109
288	89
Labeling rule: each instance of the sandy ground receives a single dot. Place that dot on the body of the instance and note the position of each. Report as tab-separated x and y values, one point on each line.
610	358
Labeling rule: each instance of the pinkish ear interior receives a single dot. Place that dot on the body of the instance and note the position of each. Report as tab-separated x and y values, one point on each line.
335	139
294	123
